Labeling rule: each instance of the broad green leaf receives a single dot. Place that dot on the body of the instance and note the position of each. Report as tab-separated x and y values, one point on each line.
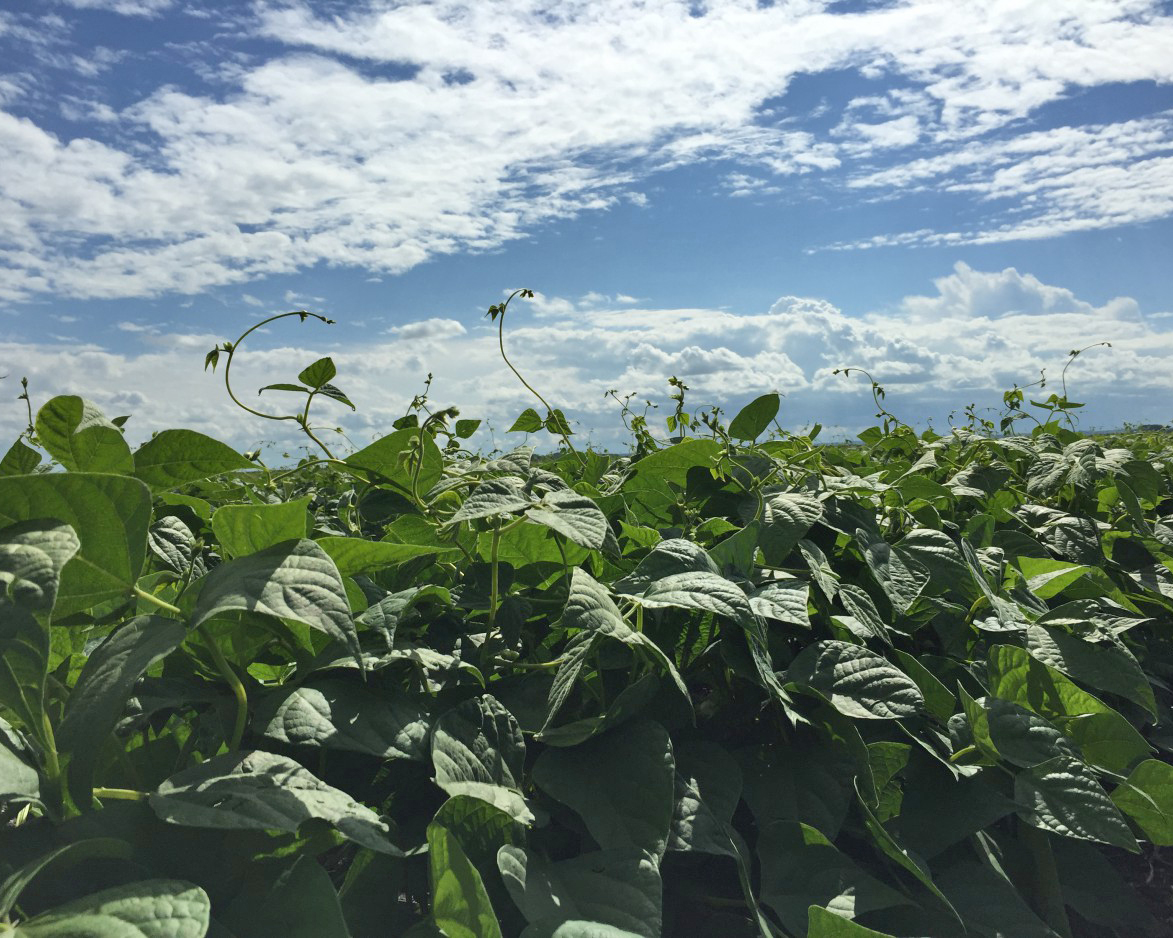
785	520
1004	729
868	624
396	458
20	459
621	784
654	482
172	458
800	868
988	902
100	695
667	558
356	555
109	514
295	580
24	666
297	901
1047	578
478	750
784	600
320	373
589	606
1095	888
19	781
1104	666
706	592
152	908
902	577
1062	796
173	544
78	435
501	496
336	714
575	517
263	791
939	700
823	923
529	421
1107	739
753	419
937	552
32	556
898	853
707	790
465	428
816	560
857	682
619	887
60	858
808	779
1147	797
245	529
460	904
939	810
575	928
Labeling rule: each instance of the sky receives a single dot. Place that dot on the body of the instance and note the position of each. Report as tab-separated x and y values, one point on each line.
743	194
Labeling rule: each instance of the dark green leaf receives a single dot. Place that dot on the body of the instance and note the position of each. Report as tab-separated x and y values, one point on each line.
753	419
78	435
857	682
173	458
319	373
1062	796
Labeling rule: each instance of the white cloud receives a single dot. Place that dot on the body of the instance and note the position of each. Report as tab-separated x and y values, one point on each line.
148	8
974	335
379	136
428	329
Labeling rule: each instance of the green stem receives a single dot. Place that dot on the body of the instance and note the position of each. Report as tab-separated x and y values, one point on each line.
54	798
121	794
155	600
494	580
238	691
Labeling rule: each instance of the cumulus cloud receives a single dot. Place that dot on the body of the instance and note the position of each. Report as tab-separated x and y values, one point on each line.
975	334
377	136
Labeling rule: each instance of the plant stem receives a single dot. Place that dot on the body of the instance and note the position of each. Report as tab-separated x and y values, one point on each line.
238	690
121	794
55	800
155	600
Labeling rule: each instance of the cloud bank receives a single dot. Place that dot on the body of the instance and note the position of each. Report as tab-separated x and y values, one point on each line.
377	136
976	334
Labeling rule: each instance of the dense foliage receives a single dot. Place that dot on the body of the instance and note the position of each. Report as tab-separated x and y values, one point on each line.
722	687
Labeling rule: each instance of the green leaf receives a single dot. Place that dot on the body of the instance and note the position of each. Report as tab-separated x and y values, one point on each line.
501	496
786	518
530	421
284	386
478	750
335	394
32	556
988	902
19	781
619	887
19	460
622	784
707	791
263	791
295	580
320	373
902	577
173	458
245	529
706	592
356	555
109	514
1006	730
1104	666
152	908
557	423
460	904
667	558
173	544
297	901
1062	796
465	428
24	666
61	858
100	695
752	420
78	435
822	923
575	517
1104	737
336	714
575	928
654	483
800	868
857	682
1147	797
785	600
396	458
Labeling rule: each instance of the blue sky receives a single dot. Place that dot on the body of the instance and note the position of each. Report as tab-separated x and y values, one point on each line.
741	193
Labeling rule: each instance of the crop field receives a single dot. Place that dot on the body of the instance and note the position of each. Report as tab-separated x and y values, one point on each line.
741	684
